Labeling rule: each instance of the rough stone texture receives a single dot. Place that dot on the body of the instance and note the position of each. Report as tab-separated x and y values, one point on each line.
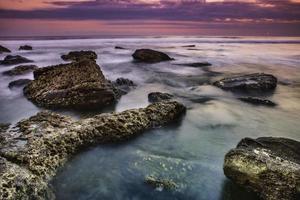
250	82
79	55
19	83
77	85
38	146
258	101
124	85
268	166
158	96
150	56
4	49
14	60
21	69
26	48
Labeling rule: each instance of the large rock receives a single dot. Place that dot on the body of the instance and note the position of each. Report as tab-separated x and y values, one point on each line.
150	56
159	96
4	49
246	83
37	147
268	166
19	70
79	55
14	60
77	85
19	83
26	48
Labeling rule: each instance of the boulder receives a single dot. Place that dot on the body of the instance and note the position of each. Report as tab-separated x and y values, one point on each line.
79	55
4	49
258	101
268	166
158	96
26	48
14	60
124	85
259	82
20	70
77	85
150	56
42	144
19	83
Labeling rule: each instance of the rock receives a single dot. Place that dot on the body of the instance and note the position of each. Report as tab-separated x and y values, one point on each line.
14	60
4	49
3	128
189	46
268	166
160	184
258	101
118	47
26	48
150	56
124	85
198	64
77	85
19	83
42	144
251	82
158	96
79	55
19	70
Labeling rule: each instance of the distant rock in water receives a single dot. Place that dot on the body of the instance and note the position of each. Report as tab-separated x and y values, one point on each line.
159	96
26	48
258	101
197	64
191	46
124	85
160	184
4	49
268	166
150	56
77	85
21	69
246	83
79	55
14	60
19	83
118	47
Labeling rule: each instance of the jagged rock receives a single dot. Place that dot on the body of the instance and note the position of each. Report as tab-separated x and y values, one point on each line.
150	56
246	83
79	55
26	48
77	85
14	60
258	101
19	83
124	85
40	145
268	166
158	96
160	184
19	70
4	49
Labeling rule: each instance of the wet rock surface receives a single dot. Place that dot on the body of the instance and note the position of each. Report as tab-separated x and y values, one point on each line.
124	85
258	101
14	60
4	49
197	64
150	56
19	70
26	48
160	184
79	55
159	96
19	83
37	147
119	47
77	85
268	166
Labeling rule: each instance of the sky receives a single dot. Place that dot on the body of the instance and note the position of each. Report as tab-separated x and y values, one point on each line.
149	17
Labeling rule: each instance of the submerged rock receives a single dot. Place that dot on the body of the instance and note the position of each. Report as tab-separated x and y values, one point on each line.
26	48
258	101
259	82
197	64
14	60
160	184
42	144
19	70
19	83
124	85
4	49
77	85
150	56
159	96
192	45
118	47
79	55
268	166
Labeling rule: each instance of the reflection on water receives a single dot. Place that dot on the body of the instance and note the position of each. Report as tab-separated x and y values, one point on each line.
191	152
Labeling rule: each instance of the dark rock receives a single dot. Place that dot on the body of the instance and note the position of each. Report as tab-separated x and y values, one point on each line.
79	55
198	64
3	128
189	46
4	49
77	85
258	101
159	96
150	56
161	184
19	83
251	82
26	48
19	70
268	166
124	85
118	47
14	60
42	144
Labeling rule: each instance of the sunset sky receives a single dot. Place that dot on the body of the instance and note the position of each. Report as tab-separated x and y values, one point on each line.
149	17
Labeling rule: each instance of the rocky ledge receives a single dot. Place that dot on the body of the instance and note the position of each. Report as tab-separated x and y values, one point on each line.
268	166
14	60
150	56
37	147
20	70
4	49
19	83
79	55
